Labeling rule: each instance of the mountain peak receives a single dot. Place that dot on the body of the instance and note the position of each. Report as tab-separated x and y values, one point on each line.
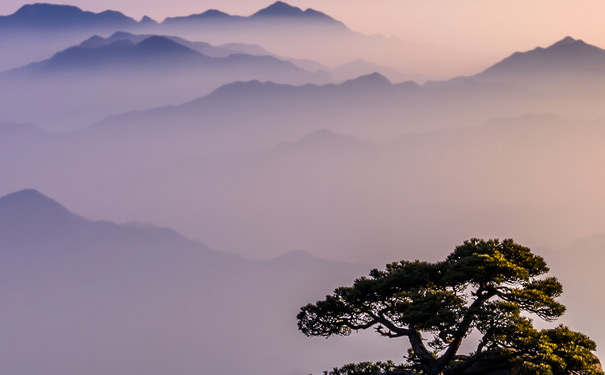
567	56
279	8
369	80
146	20
30	203
23	194
121	35
96	41
278	11
162	44
209	15
569	42
577	45
212	13
565	41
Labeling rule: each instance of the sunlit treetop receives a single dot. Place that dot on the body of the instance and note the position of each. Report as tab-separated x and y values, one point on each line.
492	287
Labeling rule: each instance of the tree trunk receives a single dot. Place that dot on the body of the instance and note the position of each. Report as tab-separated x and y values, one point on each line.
430	366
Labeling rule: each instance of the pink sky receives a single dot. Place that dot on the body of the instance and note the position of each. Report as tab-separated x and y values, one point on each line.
479	31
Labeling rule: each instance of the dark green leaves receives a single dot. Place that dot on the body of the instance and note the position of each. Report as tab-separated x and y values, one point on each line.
483	285
366	368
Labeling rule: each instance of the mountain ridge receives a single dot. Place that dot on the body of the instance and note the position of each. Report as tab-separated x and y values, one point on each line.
282	9
29	199
101	289
275	12
56	16
564	56
148	50
59	16
29	218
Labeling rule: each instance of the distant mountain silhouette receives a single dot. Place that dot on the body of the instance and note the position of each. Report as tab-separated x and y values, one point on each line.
30	207
254	95
201	47
281	9
105	75
281	28
148	21
162	45
54	17
278	11
150	51
209	15
359	87
97	41
29	219
236	89
141	51
373	80
567	56
84	288
360	67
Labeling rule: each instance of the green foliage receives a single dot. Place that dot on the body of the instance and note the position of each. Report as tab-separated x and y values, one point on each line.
486	286
366	368
554	351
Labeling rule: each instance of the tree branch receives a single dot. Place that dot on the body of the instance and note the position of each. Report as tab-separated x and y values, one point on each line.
390	334
358	326
467	320
393	328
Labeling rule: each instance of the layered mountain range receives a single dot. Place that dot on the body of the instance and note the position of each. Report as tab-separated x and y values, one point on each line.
248	117
100	76
257	135
277	12
184	70
55	17
133	53
61	24
44	17
400	107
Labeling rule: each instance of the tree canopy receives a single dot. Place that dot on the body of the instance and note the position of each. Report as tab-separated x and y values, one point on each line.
492	287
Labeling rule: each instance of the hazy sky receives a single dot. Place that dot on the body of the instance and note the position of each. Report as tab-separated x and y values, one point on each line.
485	29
